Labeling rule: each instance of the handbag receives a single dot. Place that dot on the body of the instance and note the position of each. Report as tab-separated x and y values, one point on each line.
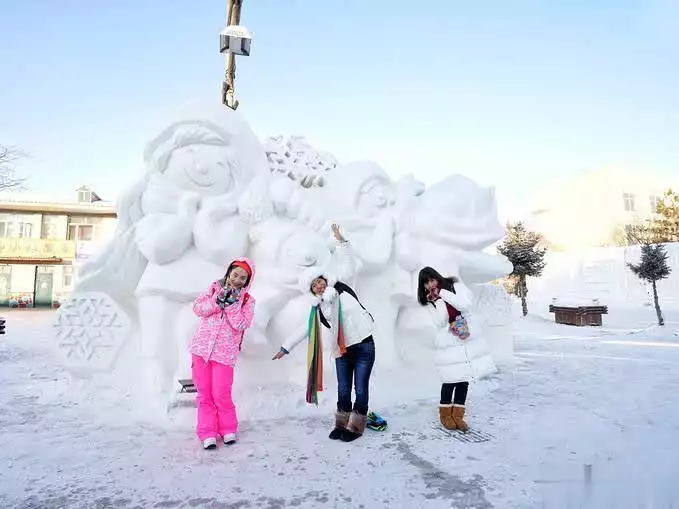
459	327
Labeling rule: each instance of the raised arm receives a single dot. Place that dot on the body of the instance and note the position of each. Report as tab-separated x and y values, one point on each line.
344	257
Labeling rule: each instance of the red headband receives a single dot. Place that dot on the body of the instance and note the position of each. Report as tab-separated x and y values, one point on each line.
243	266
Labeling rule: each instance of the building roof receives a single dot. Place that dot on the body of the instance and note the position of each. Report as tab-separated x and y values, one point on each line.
52	202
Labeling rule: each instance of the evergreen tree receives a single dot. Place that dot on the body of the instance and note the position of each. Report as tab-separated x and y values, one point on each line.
652	268
523	249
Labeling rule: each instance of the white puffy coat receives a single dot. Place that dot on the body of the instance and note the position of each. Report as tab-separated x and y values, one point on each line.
459	360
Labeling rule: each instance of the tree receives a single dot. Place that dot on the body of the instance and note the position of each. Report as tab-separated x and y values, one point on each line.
665	224
662	228
8	178
652	268
523	249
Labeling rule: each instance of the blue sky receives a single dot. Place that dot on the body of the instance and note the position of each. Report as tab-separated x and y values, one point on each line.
506	91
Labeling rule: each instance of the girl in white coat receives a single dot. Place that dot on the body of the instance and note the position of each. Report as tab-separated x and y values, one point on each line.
461	355
349	331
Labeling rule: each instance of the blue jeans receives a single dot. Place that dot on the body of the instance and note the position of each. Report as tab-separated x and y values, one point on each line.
355	365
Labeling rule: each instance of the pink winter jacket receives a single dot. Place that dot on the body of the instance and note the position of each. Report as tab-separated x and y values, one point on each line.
220	334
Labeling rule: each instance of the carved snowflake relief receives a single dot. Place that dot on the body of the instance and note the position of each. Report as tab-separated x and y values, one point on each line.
91	330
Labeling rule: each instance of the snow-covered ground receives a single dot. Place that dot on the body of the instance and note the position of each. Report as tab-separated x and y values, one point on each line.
587	418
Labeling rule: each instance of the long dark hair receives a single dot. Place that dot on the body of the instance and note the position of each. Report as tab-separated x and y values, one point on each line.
428	274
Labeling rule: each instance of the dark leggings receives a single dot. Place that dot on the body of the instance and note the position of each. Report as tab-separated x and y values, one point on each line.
460	389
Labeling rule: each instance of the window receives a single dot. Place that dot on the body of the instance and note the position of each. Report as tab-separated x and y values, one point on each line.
84	196
23	230
82	228
628	200
653	202
68	276
80	232
53	227
4	229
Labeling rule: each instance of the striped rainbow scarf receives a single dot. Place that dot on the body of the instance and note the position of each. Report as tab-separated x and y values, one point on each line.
314	357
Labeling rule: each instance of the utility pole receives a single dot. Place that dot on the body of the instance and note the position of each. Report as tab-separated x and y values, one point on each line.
234	40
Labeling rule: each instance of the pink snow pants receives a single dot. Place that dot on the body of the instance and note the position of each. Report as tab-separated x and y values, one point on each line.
216	411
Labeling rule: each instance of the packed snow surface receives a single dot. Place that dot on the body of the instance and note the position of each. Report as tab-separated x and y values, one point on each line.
588	417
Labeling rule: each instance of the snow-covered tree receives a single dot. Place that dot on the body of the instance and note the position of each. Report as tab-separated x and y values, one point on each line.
523	248
296	159
652	268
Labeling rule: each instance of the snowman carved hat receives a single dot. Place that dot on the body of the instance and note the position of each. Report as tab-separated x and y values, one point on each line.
183	134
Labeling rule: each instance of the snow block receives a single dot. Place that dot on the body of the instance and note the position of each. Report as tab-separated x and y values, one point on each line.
91	330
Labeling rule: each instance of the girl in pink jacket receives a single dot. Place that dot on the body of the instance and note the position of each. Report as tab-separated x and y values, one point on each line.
226	311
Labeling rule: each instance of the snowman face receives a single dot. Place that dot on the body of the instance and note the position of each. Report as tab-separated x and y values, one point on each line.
303	248
375	194
202	168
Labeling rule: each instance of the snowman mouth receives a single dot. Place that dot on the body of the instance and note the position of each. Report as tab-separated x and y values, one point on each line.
202	178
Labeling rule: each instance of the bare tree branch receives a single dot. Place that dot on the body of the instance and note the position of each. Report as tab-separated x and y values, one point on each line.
8	177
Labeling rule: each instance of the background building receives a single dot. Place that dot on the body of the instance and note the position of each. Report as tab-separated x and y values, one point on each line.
592	208
43	238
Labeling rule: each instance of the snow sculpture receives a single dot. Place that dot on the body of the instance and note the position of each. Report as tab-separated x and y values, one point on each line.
450	226
493	307
296	159
179	227
365	202
91	330
212	192
447	227
282	249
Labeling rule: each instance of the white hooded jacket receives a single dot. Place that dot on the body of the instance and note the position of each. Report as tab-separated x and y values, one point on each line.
358	323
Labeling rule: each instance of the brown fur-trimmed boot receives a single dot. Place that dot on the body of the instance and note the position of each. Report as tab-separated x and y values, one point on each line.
446	416
341	421
458	417
355	428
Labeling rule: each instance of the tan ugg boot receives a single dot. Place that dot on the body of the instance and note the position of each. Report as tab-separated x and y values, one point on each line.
458	417
341	422
355	427
446	416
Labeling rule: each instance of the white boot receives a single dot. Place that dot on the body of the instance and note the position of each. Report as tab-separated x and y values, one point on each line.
210	443
229	439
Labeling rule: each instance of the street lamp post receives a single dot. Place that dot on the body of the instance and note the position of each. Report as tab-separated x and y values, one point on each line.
233	40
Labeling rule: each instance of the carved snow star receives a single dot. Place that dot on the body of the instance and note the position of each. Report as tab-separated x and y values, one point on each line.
91	330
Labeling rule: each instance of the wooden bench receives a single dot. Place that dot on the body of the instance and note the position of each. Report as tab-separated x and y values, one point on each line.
187	385
580	316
